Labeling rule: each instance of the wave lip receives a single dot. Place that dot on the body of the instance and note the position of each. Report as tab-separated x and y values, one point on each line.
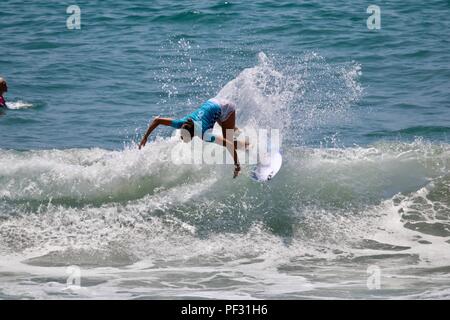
77	176
97	176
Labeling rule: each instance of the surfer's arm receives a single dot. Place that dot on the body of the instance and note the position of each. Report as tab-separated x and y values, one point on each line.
156	122
232	148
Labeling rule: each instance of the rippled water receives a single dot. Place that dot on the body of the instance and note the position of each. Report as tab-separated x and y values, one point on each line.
364	116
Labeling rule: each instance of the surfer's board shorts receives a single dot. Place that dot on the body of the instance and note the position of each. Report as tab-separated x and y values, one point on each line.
226	108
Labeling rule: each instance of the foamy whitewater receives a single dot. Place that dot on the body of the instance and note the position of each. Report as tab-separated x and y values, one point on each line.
17	105
359	210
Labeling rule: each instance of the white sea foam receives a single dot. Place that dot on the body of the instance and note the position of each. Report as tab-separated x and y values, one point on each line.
16	105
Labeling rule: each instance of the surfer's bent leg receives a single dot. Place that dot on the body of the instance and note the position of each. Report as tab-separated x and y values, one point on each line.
228	122
227	125
228	116
229	128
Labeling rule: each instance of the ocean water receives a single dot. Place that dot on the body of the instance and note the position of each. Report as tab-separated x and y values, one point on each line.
360	208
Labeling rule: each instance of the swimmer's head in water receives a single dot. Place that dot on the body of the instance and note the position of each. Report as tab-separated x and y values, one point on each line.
187	131
3	86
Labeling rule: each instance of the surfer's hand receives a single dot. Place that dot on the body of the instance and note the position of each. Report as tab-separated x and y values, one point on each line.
237	170
143	142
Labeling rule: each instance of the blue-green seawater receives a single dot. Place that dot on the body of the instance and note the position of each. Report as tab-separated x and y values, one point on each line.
364	190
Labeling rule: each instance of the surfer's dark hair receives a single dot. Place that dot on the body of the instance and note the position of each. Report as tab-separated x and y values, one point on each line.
189	127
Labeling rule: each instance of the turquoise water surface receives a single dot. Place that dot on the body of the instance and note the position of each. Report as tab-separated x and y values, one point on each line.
364	117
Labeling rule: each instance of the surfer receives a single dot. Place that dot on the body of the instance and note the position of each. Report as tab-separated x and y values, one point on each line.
200	123
3	89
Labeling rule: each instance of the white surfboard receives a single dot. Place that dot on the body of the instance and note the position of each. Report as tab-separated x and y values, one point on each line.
267	168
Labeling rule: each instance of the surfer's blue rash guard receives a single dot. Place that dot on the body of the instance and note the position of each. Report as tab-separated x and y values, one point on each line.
205	116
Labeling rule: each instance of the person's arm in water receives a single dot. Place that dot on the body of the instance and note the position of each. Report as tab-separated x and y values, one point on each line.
156	122
232	148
